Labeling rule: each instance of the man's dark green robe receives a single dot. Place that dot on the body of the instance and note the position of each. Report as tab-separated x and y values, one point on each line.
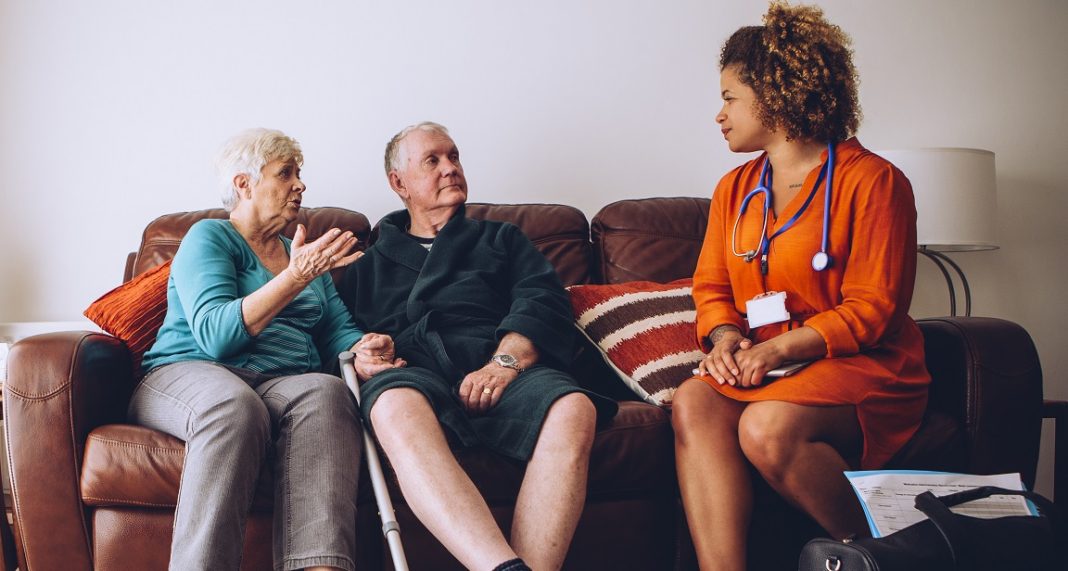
447	310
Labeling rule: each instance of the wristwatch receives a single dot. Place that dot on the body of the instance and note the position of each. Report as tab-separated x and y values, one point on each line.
506	360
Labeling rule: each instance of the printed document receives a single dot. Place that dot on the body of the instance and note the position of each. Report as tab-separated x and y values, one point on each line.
888	496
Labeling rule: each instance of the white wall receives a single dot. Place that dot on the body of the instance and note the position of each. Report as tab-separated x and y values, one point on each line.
110	112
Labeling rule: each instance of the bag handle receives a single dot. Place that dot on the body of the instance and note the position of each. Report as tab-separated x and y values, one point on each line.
1045	507
936	508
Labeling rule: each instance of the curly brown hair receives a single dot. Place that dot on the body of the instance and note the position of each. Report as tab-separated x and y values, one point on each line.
801	68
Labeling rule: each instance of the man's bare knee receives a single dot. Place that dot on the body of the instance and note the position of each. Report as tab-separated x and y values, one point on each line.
394	408
576	410
570	422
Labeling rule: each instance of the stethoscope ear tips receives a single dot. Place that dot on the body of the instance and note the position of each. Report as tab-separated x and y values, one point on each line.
821	261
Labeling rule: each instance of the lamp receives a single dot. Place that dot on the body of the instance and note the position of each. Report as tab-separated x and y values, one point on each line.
956	205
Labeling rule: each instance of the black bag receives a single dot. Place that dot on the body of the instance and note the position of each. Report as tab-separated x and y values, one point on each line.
947	541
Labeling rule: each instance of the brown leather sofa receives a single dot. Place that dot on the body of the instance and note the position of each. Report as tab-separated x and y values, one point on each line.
92	492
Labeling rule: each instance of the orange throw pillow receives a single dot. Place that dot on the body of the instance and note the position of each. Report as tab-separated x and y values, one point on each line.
135	310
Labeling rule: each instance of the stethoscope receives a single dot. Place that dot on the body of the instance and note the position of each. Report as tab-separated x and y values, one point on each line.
820	260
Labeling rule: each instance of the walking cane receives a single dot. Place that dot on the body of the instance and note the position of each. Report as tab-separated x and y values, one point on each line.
390	529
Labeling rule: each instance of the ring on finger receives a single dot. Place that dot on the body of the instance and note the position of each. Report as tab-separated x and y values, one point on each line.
487	391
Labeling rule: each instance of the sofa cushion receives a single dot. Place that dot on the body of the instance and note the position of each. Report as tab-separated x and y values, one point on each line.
127	465
644	331
633	454
133	466
134	311
939	444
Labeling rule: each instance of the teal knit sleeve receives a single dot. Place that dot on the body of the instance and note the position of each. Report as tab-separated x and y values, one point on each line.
205	279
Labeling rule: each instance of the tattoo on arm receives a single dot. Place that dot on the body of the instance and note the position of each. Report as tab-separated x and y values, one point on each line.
720	331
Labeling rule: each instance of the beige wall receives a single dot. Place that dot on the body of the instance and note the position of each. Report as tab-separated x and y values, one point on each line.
110	111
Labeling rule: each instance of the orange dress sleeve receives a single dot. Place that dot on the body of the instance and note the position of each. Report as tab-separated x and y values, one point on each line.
876	287
712	292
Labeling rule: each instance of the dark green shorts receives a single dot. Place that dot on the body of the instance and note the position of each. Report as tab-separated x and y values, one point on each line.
511	428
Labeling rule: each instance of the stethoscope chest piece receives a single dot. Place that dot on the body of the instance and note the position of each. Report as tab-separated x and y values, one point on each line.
821	261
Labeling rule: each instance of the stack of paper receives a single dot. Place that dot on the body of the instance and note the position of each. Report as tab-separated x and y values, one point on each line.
888	496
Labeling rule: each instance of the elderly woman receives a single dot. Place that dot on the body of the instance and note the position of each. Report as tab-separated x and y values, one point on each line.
252	317
810	255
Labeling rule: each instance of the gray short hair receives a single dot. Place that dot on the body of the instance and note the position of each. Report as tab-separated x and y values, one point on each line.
247	153
393	156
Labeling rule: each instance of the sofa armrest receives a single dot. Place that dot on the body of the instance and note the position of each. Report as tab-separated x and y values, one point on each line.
1058	411
986	374
59	387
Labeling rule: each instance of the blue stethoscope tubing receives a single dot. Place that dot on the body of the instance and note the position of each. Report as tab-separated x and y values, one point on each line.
821	260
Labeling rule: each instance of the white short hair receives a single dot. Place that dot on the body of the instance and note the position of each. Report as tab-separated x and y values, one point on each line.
394	158
247	153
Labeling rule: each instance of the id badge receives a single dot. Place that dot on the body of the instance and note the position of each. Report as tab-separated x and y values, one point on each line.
767	308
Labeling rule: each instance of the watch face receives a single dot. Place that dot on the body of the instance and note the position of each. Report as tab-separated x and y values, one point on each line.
506	360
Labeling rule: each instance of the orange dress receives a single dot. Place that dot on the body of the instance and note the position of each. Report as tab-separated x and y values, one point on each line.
859	305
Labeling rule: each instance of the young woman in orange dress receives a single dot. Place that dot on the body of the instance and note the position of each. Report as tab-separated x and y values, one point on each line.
821	219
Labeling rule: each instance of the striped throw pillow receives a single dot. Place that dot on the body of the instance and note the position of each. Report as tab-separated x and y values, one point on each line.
644	331
134	311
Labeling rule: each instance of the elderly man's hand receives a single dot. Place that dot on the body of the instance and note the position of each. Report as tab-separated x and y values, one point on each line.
309	261
481	390
375	353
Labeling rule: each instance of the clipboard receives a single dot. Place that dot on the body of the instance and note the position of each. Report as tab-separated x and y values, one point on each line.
786	369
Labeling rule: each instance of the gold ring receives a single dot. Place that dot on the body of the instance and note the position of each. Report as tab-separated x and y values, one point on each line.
487	391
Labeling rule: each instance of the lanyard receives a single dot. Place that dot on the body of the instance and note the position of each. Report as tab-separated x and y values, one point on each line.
789	223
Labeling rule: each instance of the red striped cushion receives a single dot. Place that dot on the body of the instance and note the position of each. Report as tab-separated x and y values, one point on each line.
134	311
644	330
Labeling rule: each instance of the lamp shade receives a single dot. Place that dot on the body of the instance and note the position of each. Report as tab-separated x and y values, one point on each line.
956	196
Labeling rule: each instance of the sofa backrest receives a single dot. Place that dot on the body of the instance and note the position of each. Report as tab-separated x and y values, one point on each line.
561	233
161	237
650	239
655	239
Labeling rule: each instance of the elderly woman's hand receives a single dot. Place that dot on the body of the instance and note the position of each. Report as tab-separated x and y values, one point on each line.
309	261
375	353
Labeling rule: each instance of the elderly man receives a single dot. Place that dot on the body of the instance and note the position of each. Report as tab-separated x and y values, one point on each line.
485	327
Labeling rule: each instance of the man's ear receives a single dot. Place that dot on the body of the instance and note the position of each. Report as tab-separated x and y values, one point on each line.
397	184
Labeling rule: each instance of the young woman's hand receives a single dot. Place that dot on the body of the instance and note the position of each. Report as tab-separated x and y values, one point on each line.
720	361
755	363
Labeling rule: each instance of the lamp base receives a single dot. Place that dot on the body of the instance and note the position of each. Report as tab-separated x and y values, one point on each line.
941	260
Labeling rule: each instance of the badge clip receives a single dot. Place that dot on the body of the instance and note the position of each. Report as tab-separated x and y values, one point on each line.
767	308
